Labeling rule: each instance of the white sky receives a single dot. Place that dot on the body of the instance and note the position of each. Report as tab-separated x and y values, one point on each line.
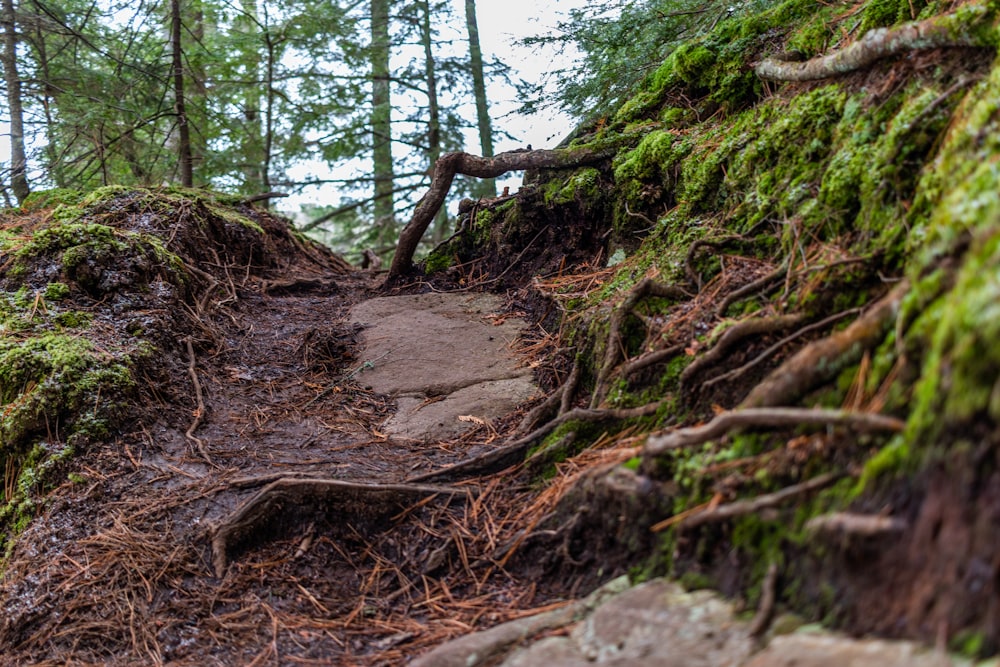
501	24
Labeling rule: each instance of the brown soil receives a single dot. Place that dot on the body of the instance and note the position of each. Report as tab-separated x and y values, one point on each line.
118	567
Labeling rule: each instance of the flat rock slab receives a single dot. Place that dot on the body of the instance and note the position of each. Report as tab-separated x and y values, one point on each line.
659	624
442	356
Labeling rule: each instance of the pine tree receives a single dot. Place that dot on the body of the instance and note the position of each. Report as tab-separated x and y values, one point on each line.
381	123
12	78
488	187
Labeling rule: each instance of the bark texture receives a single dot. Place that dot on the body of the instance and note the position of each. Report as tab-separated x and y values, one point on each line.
489	187
18	159
185	161
381	120
823	359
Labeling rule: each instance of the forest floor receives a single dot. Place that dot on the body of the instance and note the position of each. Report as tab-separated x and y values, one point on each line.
262	502
272	385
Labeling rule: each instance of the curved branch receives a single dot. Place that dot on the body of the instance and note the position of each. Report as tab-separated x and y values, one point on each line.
965	27
733	335
513	452
614	350
451	164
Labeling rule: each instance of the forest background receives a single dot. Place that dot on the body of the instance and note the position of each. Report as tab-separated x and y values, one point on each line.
344	102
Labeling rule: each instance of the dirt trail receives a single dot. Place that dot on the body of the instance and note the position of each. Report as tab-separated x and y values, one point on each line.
118	569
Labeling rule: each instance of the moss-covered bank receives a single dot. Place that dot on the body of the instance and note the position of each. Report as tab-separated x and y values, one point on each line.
97	292
807	202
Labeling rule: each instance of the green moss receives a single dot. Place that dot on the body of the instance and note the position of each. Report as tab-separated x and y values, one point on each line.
693	62
812	38
969	644
72	319
56	291
438	260
43	199
637	108
581	186
107	192
882	13
694	581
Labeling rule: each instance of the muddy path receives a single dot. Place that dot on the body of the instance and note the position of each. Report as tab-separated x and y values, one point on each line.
266	383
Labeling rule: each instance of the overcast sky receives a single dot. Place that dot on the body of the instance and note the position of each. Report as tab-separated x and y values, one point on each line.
501	24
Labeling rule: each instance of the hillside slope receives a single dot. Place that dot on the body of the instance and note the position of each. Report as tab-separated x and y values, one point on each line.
764	318
819	244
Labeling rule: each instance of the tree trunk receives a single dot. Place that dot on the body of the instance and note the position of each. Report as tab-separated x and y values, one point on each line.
186	162
18	157
252	140
265	171
489	185
197	99
385	220
433	111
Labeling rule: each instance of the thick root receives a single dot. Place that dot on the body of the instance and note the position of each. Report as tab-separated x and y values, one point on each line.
451	164
822	360
350	498
955	29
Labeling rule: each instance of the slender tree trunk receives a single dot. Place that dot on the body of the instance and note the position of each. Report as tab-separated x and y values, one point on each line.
452	164
385	221
39	45
265	171
18	157
488	187
197	102
184	132
252	141
433	111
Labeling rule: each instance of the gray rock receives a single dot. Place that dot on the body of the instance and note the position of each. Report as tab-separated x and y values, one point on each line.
826	650
658	624
423	347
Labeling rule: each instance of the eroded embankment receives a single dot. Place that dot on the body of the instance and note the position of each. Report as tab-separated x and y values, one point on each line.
829	247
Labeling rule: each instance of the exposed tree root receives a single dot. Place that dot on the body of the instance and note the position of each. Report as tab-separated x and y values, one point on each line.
514	452
368	500
556	403
965	27
614	351
847	524
649	359
296	285
774	417
451	164
199	410
754	505
824	359
759	285
769	352
765	610
733	335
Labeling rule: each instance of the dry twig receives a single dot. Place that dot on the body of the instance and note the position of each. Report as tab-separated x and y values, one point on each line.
199	411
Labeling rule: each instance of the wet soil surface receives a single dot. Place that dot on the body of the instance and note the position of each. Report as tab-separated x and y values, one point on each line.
263	395
118	568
